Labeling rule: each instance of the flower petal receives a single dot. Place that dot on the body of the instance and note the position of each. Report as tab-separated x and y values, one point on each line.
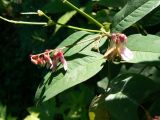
54	65
126	54
64	63
47	58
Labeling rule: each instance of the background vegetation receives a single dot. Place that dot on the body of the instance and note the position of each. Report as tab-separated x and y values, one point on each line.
19	78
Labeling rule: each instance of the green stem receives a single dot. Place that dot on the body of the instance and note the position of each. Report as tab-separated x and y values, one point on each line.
46	24
69	26
78	28
47	17
83	13
23	22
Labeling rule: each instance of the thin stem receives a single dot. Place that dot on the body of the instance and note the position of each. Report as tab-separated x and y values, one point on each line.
83	13
29	13
78	28
47	17
23	22
68	26
141	27
46	24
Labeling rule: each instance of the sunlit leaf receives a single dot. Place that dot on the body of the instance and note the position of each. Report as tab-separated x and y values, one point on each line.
81	67
79	41
64	19
133	11
145	48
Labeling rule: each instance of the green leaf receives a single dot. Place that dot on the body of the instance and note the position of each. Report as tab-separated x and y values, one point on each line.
97	109
126	94
81	67
45	111
64	19
74	38
122	95
32	116
145	48
152	18
133	11
79	36
127	83
103	83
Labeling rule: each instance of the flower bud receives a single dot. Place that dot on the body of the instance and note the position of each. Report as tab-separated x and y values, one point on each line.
114	37
40	13
122	38
34	59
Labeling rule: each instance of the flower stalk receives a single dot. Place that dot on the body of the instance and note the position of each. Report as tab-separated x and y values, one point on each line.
49	23
24	22
83	13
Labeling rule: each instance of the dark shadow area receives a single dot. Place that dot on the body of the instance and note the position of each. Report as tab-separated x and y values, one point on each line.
19	77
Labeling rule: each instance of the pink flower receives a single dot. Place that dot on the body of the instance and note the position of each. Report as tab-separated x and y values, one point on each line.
156	118
34	59
125	53
117	48
58	55
44	59
47	58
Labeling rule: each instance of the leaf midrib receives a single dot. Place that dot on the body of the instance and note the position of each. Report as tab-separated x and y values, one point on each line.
131	13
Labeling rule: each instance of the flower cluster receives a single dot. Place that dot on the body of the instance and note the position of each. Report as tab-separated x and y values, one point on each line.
117	48
44	59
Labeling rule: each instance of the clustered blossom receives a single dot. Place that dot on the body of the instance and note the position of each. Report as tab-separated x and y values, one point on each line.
44	59
117	48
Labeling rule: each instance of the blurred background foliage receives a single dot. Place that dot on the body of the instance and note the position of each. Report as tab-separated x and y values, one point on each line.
19	78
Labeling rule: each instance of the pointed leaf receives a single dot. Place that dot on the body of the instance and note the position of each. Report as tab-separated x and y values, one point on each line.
133	11
81	67
64	19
